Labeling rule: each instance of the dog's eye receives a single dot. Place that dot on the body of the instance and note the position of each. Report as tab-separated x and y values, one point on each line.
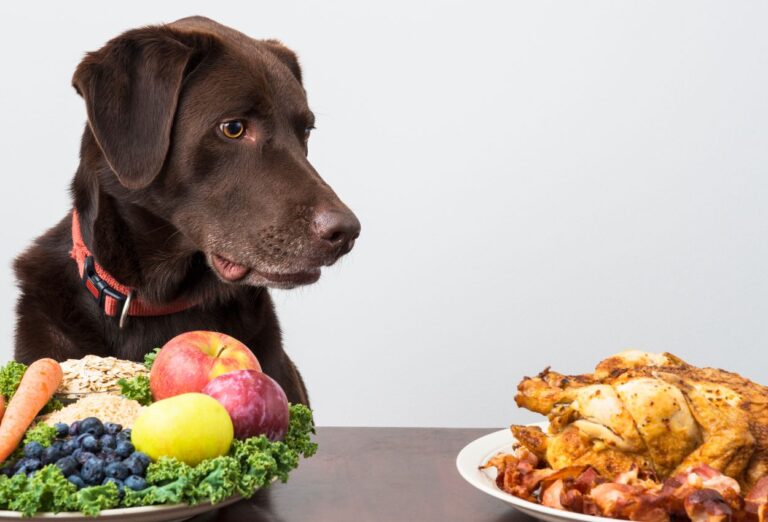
232	129
307	132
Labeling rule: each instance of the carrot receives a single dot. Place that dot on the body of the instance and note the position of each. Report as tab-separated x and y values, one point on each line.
2	406
36	388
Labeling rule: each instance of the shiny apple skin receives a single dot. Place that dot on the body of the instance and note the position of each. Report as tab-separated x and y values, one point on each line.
256	404
190	360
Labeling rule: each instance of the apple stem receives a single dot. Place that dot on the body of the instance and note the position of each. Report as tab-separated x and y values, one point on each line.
222	349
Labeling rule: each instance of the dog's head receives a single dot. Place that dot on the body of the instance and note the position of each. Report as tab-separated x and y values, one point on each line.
208	129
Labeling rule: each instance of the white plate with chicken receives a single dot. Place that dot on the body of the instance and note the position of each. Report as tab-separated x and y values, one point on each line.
644	437
475	456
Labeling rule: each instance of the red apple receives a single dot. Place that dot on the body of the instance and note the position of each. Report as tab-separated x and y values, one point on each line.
256	403
189	361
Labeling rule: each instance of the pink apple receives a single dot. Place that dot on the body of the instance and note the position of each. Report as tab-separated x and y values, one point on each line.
189	361
255	402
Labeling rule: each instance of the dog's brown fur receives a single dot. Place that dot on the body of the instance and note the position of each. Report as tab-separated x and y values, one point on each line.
161	191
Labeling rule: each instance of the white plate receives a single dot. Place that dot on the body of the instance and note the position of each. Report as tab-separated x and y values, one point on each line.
161	513
479	451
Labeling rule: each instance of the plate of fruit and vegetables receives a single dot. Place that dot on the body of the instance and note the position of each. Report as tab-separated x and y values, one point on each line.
205	428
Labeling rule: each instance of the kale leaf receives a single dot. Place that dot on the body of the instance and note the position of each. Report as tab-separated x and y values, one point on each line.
136	388
149	359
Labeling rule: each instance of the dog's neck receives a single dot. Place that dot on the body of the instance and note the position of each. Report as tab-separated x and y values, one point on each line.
138	248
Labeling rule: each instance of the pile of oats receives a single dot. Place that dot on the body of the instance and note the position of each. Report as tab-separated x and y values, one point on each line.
106	407
94	374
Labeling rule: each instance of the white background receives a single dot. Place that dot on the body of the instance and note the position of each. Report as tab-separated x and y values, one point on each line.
539	183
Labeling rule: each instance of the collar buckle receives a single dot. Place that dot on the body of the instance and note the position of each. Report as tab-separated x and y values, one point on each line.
100	290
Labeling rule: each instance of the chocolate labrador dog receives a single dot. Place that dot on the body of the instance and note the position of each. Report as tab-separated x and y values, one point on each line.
193	196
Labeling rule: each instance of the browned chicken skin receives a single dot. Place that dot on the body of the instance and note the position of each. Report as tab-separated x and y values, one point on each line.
652	410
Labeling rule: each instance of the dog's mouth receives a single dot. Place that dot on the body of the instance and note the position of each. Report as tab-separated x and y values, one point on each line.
233	272
228	269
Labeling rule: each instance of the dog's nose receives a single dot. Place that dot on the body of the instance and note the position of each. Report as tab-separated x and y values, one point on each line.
336	228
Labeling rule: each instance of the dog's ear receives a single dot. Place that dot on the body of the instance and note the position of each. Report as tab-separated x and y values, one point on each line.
285	55
131	88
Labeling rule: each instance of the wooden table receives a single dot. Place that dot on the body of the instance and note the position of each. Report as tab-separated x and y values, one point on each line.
376	474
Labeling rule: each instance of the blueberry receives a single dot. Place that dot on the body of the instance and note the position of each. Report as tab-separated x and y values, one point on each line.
83	456
69	447
33	450
58	444
6	470
135	466
76	480
20	466
93	471
92	426
62	430
33	464
108	441
124	435
117	470
124	448
135	483
142	457
107	451
111	428
73	428
90	443
51	454
80	438
110	457
67	465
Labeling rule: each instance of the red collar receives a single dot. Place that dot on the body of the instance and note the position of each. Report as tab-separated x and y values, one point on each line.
117	300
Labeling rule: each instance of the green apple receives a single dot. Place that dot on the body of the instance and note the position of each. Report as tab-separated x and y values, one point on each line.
191	427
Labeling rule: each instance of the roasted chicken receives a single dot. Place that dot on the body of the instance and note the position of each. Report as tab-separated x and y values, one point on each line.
653	411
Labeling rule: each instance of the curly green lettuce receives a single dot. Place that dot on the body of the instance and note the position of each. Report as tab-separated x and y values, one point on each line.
149	359
136	388
169	481
170	493
300	430
46	490
214	480
93	499
42	433
10	377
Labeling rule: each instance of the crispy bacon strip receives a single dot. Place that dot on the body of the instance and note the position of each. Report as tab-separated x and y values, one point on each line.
756	501
518	475
678	488
629	502
570	474
634	477
707	505
552	493
700	493
567	489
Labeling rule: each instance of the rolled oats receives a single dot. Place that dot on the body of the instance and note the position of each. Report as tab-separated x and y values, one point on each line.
106	407
94	374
